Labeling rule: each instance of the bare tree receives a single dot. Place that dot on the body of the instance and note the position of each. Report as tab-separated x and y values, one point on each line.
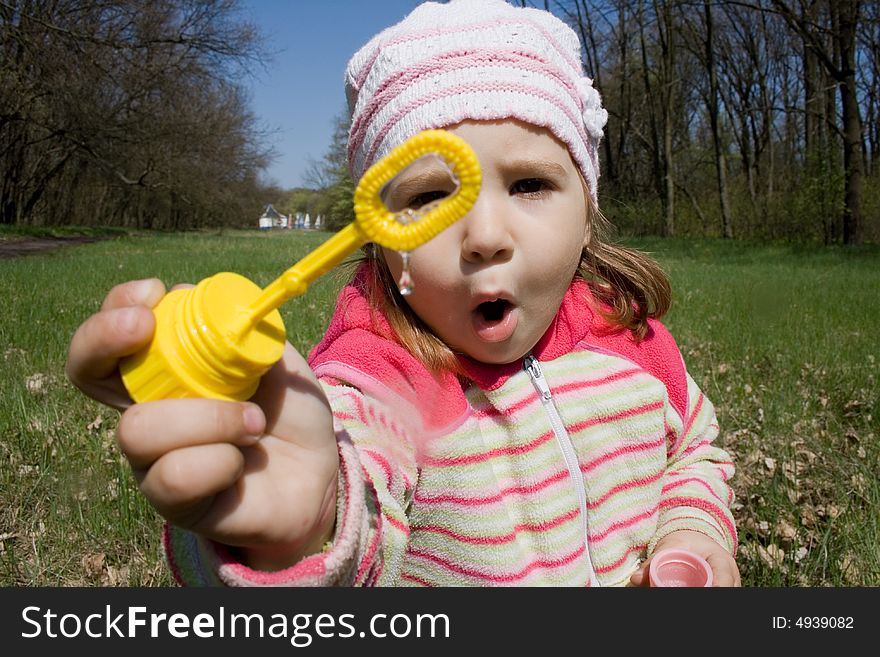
838	59
133	104
777	87
665	88
703	36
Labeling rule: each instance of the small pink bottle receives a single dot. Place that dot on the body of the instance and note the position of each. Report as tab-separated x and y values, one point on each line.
679	568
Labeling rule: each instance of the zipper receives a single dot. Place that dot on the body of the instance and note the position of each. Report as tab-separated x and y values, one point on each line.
533	368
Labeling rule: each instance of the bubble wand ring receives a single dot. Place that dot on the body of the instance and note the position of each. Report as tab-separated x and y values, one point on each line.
381	225
219	338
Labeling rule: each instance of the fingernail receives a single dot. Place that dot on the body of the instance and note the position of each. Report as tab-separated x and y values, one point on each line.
253	421
144	291
126	320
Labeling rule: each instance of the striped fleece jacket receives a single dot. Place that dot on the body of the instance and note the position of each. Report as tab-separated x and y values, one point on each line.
563	469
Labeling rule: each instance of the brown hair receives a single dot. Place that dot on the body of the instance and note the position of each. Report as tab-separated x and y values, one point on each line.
628	286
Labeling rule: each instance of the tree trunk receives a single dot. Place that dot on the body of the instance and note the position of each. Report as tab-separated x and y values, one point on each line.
624	88
840	65
812	90
846	14
720	162
669	178
657	168
668	83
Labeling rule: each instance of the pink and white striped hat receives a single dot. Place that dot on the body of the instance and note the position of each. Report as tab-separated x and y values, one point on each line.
472	59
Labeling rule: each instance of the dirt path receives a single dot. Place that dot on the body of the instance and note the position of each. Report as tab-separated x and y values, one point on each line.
14	248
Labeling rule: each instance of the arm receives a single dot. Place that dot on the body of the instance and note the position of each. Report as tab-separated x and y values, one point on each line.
695	500
376	479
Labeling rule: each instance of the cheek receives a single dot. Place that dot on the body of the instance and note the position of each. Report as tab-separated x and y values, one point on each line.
431	278
560	249
578	240
553	265
430	264
577	253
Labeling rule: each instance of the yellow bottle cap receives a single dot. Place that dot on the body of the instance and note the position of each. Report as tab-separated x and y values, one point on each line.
194	352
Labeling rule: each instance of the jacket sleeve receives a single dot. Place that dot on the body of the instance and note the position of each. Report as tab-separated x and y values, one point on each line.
695	494
376	480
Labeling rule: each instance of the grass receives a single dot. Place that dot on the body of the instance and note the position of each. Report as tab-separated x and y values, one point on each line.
778	337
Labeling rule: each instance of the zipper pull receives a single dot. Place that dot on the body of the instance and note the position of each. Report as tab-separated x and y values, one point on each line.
533	367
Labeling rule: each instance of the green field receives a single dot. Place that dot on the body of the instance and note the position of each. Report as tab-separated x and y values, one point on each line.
777	335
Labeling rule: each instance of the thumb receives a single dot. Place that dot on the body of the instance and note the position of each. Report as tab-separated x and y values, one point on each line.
640	576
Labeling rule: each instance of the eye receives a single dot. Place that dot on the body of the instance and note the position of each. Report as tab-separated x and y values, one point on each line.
530	187
422	199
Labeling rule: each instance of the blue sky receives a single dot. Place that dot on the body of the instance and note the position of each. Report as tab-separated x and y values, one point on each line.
301	90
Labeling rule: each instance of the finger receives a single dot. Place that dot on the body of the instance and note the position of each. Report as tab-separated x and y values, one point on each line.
182	286
640	577
724	570
104	338
146	292
122	327
99	343
182	484
150	430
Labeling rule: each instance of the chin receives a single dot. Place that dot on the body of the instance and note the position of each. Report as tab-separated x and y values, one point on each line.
497	354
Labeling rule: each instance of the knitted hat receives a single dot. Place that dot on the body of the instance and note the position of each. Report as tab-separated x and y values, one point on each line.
472	59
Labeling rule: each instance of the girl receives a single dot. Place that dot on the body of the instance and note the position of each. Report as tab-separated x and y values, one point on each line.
520	418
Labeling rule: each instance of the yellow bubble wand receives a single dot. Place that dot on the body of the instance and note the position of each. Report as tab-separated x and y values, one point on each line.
219	338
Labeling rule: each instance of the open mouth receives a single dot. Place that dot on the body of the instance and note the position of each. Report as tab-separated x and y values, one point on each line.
493	311
495	320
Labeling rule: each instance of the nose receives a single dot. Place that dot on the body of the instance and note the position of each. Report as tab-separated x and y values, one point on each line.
487	237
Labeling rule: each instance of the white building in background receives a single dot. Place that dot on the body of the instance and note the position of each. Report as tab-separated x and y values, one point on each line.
271	218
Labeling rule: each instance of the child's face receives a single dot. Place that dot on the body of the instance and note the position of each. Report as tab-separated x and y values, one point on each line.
490	285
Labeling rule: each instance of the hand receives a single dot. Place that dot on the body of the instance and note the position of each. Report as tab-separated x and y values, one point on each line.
724	569
260	475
